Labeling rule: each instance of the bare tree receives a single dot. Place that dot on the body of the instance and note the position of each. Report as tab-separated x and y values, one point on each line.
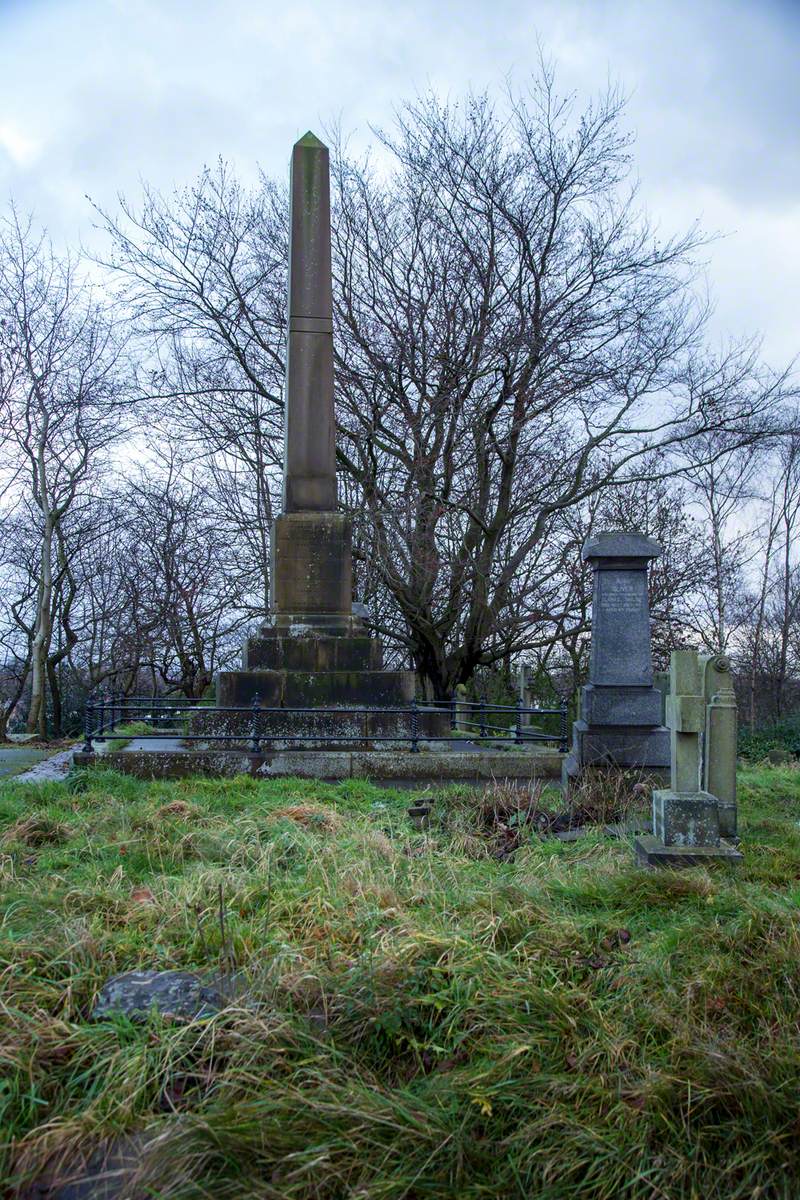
60	383
18	564
513	338
202	275
190	587
723	478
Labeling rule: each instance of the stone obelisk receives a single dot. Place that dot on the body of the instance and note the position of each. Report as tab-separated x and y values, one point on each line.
309	482
311	541
313	651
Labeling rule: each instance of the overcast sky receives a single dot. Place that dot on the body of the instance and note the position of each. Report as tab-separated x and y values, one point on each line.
97	94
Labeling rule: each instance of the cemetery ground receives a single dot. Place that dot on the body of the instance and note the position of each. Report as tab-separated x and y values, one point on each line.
472	1010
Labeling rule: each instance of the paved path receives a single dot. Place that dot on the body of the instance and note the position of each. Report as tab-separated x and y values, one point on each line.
167	744
14	759
45	769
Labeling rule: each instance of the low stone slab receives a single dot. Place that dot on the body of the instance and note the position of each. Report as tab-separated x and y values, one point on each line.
650	852
178	994
117	1169
399	767
685	819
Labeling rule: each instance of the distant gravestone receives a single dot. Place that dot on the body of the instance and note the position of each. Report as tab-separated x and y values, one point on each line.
661	681
524	692
620	721
686	817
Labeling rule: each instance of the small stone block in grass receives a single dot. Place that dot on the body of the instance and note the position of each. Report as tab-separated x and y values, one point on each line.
177	994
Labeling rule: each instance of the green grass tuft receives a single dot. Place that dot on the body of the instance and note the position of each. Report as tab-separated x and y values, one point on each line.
411	1016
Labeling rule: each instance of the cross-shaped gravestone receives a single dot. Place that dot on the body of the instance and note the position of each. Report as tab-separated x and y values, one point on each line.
686	827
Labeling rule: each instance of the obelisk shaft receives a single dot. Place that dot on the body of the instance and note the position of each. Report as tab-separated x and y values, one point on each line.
309	480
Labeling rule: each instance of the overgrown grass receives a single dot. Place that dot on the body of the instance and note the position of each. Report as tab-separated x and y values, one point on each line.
413	1019
756	743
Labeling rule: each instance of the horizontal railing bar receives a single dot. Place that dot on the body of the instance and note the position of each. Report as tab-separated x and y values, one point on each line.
178	711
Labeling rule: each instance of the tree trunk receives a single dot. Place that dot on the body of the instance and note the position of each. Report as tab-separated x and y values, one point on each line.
37	714
57	724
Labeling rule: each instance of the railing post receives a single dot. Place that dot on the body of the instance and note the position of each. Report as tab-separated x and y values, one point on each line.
563	731
87	726
518	728
101	715
113	719
255	740
414	727
482	715
453	711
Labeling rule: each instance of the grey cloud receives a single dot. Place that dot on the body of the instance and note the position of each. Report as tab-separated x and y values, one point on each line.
115	90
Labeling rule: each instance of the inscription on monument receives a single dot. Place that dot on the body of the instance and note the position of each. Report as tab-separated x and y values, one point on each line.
312	565
621	627
620	594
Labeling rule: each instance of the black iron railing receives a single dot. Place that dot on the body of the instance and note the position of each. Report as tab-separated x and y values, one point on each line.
168	717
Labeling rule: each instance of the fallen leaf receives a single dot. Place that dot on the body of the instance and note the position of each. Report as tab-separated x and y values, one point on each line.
142	895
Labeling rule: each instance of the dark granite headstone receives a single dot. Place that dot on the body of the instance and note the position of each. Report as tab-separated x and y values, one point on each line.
620	723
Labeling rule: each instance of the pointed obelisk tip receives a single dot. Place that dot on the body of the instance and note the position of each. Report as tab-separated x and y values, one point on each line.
311	141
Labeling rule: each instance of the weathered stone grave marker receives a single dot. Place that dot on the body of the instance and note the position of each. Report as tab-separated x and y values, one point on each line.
686	817
620	722
720	739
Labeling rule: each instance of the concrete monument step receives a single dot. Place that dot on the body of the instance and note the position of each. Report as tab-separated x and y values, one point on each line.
298	689
331	722
322	653
631	746
616	705
296	623
391	768
651	852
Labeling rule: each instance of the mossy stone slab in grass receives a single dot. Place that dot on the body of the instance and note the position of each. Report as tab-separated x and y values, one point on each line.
111	1172
178	994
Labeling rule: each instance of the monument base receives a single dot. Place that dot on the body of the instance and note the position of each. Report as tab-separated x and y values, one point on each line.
326	666
639	746
651	852
685	818
434	766
315	689
325	728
